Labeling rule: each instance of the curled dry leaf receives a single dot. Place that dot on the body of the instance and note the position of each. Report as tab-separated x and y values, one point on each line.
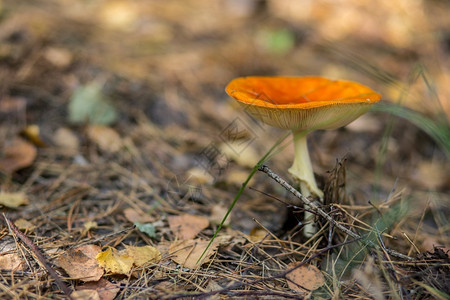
16	155
305	277
122	262
13	200
80	263
187	226
187	253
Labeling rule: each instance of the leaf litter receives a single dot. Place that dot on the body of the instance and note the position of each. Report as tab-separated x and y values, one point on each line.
126	117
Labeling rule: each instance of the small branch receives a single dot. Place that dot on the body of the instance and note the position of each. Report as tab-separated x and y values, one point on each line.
40	257
321	212
305	200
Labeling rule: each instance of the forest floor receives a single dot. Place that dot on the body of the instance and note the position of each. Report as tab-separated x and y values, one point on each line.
120	152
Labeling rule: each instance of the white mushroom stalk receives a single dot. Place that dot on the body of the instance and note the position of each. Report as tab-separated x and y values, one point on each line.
302	171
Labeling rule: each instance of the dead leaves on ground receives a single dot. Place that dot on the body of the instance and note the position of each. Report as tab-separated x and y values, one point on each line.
187	226
306	278
80	263
187	253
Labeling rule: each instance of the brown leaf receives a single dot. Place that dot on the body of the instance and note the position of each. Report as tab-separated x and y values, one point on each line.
65	138
187	253
81	263
11	261
85	295
187	226
105	137
105	289
134	215
16	155
306	276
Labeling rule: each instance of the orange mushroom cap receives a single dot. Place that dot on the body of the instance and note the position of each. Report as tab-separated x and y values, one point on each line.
302	103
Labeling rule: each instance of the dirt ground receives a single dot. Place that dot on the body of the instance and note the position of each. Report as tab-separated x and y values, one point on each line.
120	152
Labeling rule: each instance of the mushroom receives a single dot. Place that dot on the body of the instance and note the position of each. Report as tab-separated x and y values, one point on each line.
302	105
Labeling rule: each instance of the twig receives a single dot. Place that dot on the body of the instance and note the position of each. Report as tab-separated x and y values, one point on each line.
321	212
40	257
305	200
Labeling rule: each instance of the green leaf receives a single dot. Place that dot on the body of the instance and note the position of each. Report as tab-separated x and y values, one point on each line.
146	228
89	104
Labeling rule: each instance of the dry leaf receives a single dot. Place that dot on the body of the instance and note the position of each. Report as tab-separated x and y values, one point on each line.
115	261
121	262
105	289
187	253
187	226
85	295
23	224
257	234
16	155
105	137
81	263
11	261
133	216
65	138
13	199
306	276
143	256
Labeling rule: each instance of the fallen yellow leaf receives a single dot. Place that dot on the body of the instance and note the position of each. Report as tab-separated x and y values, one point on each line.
13	199
143	256
114	261
122	262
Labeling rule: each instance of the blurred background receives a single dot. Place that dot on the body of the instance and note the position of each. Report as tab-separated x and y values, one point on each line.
156	72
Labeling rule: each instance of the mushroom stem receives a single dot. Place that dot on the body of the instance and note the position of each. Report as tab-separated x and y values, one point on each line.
302	171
